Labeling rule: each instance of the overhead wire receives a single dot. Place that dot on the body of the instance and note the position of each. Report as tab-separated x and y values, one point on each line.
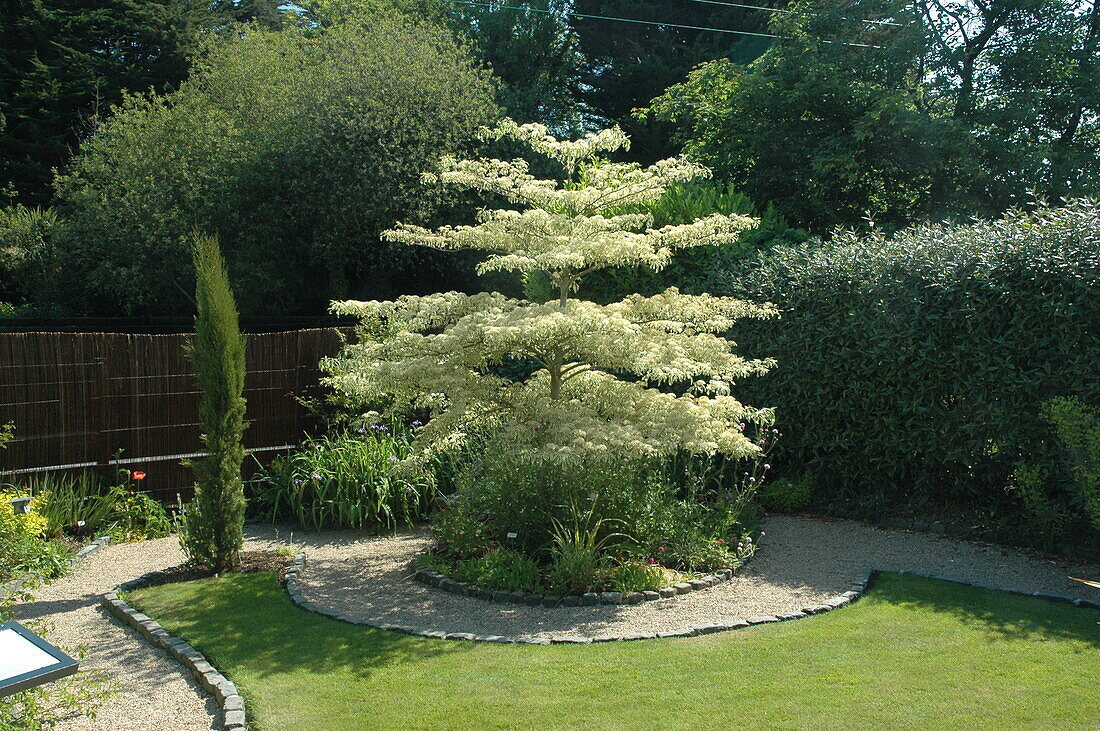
782	10
656	23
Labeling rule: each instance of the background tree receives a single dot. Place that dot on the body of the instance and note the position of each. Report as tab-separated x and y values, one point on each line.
439	352
628	64
213	526
902	113
64	64
533	51
826	125
298	148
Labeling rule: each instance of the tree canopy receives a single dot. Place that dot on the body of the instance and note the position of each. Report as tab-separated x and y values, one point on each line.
596	389
64	63
297	148
902	113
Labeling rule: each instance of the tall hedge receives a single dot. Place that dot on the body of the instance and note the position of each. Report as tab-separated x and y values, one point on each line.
913	368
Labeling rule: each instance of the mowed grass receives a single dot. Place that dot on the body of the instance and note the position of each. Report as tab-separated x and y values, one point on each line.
912	653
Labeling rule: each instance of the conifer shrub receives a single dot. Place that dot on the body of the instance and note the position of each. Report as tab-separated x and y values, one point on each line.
213	522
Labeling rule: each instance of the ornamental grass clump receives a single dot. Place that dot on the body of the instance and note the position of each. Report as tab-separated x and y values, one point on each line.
346	480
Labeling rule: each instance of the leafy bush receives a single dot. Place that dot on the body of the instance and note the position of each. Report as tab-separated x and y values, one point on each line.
913	368
297	147
462	533
787	495
500	569
1078	430
23	549
346	480
631	576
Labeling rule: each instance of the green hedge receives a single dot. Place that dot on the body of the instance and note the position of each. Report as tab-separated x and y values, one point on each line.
913	368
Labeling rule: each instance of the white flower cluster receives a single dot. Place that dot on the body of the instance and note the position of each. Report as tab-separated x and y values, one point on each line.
442	352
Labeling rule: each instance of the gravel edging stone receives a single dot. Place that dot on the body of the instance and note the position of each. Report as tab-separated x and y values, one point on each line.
858	588
438	580
294	591
223	690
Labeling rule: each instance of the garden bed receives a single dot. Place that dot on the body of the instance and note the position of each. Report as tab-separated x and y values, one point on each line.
427	575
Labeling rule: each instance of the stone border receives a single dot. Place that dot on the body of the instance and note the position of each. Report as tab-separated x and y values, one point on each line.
94	547
858	588
1044	595
225	693
441	581
297	564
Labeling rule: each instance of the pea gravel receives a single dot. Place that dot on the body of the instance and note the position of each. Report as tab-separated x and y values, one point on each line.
154	692
802	562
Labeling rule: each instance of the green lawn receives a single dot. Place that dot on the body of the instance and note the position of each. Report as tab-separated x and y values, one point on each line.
912	653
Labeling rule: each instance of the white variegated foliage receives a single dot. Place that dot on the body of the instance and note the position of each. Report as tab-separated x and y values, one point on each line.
601	368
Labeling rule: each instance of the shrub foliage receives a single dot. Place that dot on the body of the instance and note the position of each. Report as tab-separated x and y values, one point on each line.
913	368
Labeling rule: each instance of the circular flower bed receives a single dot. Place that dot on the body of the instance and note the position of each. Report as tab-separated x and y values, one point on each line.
440	580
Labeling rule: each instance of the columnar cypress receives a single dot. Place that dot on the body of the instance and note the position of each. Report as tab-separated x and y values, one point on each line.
214	521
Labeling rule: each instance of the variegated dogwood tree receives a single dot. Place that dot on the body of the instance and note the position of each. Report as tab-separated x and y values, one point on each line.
643	377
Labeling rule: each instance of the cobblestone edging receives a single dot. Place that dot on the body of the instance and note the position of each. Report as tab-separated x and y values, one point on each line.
858	588
446	583
94	547
229	700
297	564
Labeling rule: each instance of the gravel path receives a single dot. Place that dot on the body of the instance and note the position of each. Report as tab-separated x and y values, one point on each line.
803	561
154	692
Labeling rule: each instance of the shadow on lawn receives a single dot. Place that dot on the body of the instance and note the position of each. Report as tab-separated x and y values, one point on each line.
1001	614
248	620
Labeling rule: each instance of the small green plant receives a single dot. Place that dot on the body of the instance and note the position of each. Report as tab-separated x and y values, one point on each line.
501	568
346	480
631	576
577	560
1044	517
786	495
23	548
84	505
461	533
135	516
72	505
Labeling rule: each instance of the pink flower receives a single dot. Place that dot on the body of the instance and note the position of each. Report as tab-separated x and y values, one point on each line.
660	548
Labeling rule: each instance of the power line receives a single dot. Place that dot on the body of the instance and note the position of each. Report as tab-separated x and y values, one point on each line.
781	10
655	23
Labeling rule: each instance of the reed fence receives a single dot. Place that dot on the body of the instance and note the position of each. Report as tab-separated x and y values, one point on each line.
108	401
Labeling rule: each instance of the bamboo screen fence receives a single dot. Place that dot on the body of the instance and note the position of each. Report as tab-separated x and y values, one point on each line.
105	401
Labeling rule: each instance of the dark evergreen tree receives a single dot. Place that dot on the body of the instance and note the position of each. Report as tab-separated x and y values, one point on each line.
64	63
